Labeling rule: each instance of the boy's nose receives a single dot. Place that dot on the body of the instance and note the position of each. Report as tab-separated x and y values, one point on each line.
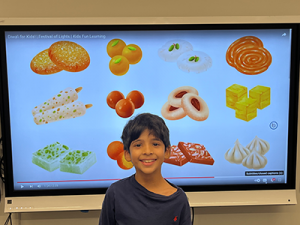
148	150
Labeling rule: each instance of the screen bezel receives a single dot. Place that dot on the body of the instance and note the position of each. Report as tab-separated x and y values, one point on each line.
293	111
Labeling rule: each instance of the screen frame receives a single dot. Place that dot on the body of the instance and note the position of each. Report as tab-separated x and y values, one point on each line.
293	112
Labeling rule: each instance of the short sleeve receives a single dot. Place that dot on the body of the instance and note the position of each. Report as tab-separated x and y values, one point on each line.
107	216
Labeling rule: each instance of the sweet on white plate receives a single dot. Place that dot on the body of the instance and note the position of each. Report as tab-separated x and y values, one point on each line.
194	61
170	51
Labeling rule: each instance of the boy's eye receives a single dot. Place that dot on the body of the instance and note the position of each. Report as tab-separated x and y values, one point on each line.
137	145
156	144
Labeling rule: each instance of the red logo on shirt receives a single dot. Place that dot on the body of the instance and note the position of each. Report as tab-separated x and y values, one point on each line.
175	218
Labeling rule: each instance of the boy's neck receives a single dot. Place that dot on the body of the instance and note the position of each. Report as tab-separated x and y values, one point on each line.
155	183
150	181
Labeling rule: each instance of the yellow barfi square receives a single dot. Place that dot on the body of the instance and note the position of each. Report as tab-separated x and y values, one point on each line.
246	109
246	117
235	93
262	94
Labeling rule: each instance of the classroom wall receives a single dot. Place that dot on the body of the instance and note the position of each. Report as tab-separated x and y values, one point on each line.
247	215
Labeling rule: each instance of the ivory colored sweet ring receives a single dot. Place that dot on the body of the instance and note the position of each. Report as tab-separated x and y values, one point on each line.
172	113
175	96
195	107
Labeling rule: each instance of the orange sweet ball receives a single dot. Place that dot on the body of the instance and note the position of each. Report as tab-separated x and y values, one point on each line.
119	65
133	53
113	98
115	47
123	163
124	108
137	98
114	149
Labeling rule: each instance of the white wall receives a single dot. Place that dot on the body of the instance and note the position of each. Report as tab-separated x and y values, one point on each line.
248	215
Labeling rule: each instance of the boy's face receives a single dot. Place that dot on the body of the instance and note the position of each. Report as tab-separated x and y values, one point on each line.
147	153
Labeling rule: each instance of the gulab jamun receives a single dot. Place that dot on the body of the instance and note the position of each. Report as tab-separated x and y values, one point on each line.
113	98
137	98
125	108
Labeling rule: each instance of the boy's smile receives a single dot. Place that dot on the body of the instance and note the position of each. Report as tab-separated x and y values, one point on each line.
147	153
148	162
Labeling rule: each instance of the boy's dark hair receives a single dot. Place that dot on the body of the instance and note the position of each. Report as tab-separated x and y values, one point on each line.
145	121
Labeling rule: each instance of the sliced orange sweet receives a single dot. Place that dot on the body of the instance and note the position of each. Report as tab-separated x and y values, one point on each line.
123	163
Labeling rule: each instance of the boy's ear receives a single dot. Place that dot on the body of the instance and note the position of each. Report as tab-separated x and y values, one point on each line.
168	152
127	156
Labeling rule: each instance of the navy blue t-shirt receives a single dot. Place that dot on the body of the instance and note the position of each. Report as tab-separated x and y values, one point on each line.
129	203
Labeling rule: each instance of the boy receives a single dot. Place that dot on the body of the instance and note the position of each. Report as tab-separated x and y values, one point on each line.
145	198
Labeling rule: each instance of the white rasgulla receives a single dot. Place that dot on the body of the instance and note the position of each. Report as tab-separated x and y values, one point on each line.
188	63
168	55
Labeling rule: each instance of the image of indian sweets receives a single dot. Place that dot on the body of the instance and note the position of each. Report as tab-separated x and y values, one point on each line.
255	161
114	149
68	111
170	112
77	161
123	163
119	65
171	50
172	109
69	56
195	107
64	97
246	109
125	108
239	43
137	98
196	153
259	145
133	53
185	101
262	94
194	61
237	153
43	65
176	158
113	98
251	156
115	47
235	93
248	56
174	98
49	157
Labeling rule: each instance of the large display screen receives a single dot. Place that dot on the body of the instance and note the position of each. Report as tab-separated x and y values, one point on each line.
225	95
